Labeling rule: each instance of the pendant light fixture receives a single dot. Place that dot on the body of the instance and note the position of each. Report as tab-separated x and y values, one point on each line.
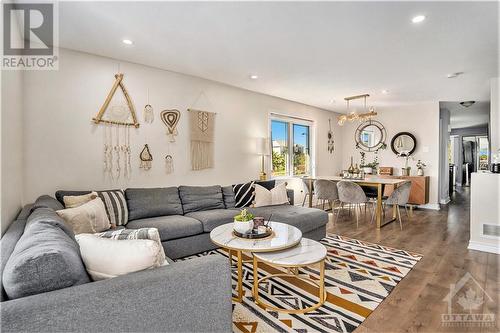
353	115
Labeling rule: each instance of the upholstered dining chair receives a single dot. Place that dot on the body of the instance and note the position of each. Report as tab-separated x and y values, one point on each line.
326	190
308	191
352	194
399	197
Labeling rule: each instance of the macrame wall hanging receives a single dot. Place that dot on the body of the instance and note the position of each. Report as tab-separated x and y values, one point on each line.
146	158
202	124
169	164
331	143
117	120
149	115
171	118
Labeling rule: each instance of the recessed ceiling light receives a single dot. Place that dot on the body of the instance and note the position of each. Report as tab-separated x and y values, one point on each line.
385	91
127	41
254	77
418	19
453	75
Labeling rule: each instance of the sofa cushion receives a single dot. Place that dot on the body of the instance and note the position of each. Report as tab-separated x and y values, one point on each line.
45	258
169	227
197	198
210	219
46	201
305	219
152	202
228	195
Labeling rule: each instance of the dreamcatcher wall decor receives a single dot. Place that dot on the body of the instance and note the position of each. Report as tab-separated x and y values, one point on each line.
149	115
146	158
169	164
171	118
331	143
117	125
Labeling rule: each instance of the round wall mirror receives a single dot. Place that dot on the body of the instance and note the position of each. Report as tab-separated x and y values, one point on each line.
403	144
370	136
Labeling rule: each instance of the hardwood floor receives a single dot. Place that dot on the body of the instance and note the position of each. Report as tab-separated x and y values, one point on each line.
442	237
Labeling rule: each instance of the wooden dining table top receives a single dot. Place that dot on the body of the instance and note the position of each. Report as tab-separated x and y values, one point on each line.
368	180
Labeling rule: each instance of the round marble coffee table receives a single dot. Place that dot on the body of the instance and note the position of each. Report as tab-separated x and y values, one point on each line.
307	253
284	236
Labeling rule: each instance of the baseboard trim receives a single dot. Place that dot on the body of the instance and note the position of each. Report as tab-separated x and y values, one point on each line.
430	206
483	247
445	201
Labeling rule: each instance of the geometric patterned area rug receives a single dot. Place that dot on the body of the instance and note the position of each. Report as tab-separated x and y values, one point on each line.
358	277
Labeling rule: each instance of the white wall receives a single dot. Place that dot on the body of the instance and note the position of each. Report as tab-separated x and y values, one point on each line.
64	150
495	115
422	120
11	146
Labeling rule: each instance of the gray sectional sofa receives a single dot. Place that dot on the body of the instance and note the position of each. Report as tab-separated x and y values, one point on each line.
185	296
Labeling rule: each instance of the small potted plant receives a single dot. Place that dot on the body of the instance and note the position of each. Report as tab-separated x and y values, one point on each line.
368	168
420	168
243	222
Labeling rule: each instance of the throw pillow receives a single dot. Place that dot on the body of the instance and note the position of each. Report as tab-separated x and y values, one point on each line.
72	201
116	206
243	194
265	197
142	233
122	256
90	217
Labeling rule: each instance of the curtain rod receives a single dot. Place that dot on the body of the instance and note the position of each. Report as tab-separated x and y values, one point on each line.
292	117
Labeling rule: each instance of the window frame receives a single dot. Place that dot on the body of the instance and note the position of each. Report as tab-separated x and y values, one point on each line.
292	120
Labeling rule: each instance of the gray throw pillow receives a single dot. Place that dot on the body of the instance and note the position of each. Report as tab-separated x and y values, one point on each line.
196	198
152	202
45	258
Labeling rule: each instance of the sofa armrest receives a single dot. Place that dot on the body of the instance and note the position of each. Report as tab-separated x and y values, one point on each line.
189	296
290	195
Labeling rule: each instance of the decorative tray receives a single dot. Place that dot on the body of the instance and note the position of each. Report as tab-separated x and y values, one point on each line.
254	234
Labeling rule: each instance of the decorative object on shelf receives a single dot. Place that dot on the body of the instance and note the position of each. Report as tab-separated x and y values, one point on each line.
353	115
331	143
370	136
420	168
368	168
169	164
202	125
263	149
146	158
171	118
117	111
405	171
403	143
243	222
149	115
387	171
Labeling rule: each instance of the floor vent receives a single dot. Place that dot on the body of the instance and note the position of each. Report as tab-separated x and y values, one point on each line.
491	230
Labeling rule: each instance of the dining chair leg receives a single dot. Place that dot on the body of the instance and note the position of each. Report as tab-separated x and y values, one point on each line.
357	217
305	197
338	211
323	207
399	217
407	213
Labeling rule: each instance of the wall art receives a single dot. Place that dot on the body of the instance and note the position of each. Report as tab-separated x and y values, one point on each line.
149	115
169	164
171	118
146	158
202	125
331	143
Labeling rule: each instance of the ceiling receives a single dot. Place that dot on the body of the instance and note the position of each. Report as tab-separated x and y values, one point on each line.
309	52
477	114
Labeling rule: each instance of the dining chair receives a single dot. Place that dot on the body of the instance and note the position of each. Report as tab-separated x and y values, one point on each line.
352	194
400	197
308	191
326	190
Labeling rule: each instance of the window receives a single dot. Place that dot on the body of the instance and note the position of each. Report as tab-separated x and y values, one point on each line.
291	147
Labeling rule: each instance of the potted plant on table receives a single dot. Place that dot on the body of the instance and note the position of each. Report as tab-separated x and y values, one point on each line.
243	222
368	168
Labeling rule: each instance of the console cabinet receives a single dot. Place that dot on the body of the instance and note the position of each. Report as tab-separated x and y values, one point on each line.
419	194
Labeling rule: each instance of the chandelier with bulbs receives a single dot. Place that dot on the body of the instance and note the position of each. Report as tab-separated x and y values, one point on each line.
353	115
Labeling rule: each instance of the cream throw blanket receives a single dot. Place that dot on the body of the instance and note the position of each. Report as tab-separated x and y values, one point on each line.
202	125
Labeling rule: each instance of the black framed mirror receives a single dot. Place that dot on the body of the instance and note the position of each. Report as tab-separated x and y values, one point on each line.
370	136
403	144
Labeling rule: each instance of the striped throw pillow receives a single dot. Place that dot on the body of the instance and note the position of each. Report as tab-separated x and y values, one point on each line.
244	194
116	206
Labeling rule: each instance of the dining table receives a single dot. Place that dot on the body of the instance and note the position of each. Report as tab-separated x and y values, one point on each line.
368	181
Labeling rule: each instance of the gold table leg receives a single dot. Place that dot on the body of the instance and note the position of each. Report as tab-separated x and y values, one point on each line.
321	286
239	285
379	206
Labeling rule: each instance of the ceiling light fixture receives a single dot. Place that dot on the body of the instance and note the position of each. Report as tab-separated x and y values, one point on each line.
254	77
418	19
454	75
467	103
353	115
127	41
